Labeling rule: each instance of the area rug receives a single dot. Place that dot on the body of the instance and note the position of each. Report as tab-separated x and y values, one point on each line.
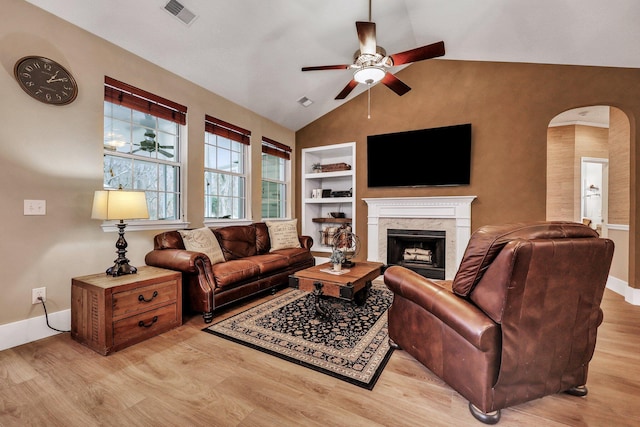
350	344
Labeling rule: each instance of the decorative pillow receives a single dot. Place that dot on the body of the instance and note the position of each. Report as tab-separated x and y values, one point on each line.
203	240
283	234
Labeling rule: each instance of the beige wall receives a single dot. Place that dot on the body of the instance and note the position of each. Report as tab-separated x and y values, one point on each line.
510	107
55	154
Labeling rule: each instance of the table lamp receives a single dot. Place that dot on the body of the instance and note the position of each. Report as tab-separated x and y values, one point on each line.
120	205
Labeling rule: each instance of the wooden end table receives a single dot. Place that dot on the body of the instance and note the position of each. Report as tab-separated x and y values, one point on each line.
110	313
351	284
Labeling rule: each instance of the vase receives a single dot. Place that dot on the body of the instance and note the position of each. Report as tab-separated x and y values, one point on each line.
337	267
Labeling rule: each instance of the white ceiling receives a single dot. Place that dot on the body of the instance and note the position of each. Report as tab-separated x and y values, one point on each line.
251	51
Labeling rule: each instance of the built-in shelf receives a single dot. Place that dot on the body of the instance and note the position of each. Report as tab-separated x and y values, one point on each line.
316	211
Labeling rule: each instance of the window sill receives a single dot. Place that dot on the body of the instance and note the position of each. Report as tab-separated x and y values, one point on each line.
226	222
142	225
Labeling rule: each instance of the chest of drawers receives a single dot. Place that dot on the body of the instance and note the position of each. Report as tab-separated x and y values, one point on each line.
111	313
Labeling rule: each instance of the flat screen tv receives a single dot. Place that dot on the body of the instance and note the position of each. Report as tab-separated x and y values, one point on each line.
427	157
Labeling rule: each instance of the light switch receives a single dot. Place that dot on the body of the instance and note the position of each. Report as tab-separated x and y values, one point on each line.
35	207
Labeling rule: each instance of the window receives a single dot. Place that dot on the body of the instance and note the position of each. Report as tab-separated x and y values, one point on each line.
142	146
275	173
225	170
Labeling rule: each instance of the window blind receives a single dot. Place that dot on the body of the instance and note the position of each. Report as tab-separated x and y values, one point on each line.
227	130
132	97
275	148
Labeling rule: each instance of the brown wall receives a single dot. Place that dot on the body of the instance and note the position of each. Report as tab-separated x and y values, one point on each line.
509	105
619	167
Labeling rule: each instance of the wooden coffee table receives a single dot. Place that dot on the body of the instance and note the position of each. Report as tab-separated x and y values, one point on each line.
351	284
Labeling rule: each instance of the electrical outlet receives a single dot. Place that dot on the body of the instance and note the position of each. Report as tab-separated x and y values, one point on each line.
38	292
35	207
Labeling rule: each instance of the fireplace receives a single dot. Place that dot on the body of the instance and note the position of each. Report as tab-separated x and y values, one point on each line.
451	214
422	251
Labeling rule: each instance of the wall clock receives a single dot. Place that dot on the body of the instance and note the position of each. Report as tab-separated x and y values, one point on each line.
45	80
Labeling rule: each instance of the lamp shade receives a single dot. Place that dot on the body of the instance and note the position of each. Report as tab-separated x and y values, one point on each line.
119	204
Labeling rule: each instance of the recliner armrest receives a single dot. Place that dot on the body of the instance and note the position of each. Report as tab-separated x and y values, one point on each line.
456	312
176	259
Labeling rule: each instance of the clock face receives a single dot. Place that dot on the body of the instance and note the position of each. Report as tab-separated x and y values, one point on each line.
45	80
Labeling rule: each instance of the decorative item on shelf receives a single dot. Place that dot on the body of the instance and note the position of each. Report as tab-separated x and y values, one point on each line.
337	259
335	167
326	235
120	205
345	241
316	167
337	214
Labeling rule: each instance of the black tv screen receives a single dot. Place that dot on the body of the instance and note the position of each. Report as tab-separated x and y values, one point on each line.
438	156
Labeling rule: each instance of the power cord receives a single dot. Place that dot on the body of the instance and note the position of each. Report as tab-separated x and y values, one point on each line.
46	316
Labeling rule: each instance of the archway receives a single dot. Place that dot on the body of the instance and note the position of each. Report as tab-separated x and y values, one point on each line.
596	135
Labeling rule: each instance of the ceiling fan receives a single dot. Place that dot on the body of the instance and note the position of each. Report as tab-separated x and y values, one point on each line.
149	145
371	62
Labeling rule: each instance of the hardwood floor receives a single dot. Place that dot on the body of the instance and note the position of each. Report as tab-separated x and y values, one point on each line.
186	377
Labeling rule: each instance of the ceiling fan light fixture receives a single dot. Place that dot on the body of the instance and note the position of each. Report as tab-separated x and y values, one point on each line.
369	75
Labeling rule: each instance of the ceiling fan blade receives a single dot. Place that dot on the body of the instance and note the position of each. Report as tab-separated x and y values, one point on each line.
326	67
347	89
418	54
395	84
367	37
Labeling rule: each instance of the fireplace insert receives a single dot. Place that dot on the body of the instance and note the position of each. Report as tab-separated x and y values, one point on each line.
422	251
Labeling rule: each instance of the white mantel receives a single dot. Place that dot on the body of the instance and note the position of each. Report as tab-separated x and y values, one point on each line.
455	208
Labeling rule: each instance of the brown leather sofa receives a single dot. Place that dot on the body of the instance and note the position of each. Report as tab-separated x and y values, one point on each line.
249	267
519	320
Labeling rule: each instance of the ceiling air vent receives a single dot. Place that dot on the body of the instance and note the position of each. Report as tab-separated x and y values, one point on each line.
180	12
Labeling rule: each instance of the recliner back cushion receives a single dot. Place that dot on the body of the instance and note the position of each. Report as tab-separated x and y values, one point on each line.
488	241
237	241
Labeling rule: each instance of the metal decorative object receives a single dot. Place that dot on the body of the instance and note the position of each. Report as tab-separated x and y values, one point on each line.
348	242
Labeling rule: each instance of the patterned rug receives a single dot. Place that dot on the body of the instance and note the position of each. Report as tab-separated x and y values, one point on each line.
350	344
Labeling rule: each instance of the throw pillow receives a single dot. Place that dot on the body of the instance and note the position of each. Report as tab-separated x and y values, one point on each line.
203	240
283	234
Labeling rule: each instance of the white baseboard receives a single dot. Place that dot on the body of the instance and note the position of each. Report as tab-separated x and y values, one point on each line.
631	295
33	329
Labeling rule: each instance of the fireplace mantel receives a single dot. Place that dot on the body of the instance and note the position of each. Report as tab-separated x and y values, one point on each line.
457	208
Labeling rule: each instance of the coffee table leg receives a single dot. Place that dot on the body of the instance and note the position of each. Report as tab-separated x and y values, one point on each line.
317	293
361	297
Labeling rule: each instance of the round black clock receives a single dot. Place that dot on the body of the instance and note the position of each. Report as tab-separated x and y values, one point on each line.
45	80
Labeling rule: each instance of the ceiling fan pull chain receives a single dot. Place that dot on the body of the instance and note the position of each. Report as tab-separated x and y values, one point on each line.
369	102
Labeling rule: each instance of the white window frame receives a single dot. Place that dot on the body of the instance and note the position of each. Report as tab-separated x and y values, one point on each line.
286	203
245	174
155	224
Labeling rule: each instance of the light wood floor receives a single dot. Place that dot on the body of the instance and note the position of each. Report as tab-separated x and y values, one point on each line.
186	377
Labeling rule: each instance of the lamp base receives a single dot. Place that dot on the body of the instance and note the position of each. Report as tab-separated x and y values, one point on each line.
121	268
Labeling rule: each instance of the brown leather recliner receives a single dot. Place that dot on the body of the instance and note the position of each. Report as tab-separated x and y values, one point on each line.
519	320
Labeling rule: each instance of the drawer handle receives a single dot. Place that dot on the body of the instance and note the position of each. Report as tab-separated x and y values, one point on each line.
142	325
142	298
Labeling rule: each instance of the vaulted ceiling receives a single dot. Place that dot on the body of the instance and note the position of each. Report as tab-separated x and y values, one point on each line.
251	51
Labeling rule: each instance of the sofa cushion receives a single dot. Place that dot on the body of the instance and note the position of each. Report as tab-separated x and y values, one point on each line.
488	241
283	234
263	243
237	241
231	272
269	262
294	255
202	240
168	240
